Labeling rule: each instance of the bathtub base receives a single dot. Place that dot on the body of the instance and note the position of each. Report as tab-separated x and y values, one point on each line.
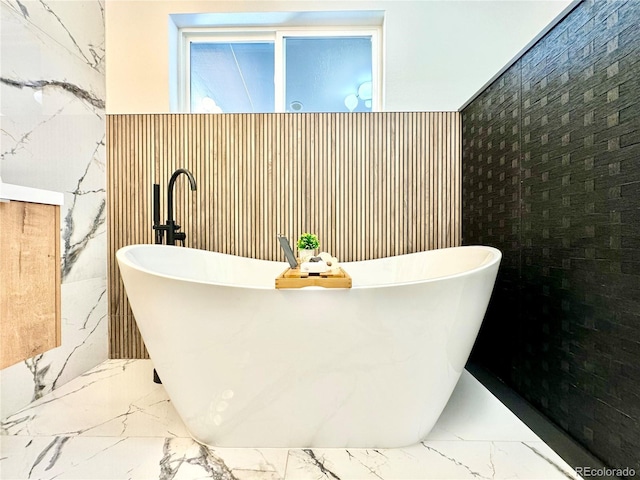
341	405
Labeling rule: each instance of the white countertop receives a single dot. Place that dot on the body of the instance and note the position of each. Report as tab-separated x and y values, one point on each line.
28	194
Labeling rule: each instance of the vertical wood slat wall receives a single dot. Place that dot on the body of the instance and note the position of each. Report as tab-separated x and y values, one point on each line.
370	185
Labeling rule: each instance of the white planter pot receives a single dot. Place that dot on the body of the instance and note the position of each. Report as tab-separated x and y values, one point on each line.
304	255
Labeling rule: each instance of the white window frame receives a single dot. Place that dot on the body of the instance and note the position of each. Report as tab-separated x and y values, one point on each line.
190	35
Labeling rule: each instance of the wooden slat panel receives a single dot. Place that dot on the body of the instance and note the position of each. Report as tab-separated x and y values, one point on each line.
370	185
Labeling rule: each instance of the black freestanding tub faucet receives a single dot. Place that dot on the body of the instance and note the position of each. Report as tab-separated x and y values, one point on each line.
171	227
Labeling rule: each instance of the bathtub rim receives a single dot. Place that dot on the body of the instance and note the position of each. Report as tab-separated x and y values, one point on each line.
122	258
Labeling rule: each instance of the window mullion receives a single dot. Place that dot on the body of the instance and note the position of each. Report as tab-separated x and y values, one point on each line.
183	77
185	101
376	71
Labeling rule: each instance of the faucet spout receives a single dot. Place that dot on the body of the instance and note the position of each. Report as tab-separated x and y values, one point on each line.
172	228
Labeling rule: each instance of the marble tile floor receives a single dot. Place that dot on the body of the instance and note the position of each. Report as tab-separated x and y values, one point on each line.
113	422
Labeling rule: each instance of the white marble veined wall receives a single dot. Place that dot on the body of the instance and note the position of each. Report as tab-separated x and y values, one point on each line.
52	125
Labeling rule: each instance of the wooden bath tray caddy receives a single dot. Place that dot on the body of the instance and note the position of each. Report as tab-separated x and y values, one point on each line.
294	278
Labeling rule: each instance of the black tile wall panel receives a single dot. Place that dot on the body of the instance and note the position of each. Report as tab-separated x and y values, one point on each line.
491	180
551	176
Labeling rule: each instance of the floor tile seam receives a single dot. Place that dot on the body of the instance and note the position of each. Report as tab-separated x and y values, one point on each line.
466	440
286	465
485	440
74	435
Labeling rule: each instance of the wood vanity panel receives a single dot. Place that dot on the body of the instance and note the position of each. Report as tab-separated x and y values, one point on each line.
30	320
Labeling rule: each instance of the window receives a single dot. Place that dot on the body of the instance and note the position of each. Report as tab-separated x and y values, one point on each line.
234	76
286	70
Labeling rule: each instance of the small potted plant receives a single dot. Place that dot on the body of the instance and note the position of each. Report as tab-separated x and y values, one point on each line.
307	244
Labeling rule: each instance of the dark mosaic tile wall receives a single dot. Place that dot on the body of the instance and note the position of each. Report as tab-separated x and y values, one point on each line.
551	176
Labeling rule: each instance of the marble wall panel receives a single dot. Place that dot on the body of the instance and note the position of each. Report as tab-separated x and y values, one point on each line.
52	132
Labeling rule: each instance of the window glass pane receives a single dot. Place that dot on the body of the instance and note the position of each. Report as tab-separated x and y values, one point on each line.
328	74
232	77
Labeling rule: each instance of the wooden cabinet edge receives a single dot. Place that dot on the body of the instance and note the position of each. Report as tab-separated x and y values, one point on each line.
50	333
58	278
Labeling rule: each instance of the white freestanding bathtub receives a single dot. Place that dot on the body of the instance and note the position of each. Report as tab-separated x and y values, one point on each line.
247	365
